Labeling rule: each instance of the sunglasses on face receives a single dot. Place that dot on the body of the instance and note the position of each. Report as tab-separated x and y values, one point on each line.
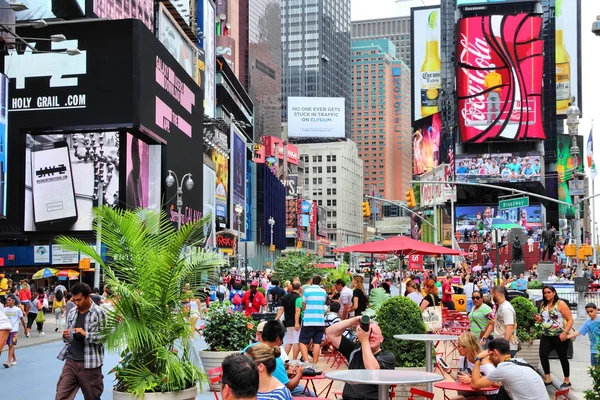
476	298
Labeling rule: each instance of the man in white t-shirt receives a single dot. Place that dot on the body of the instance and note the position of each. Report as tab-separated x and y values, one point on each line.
345	298
504	324
14	314
521	382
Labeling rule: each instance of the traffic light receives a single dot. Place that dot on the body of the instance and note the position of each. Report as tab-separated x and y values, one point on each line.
272	248
366	209
410	199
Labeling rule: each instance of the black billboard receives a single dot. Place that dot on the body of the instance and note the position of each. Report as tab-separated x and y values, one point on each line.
122	80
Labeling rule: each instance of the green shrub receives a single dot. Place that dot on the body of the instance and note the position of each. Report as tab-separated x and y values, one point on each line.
534	285
400	315
594	392
297	264
527	330
226	330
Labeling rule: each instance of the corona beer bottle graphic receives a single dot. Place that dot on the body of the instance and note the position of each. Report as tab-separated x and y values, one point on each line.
431	77
563	65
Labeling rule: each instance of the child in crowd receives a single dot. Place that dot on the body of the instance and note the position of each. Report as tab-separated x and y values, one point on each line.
591	326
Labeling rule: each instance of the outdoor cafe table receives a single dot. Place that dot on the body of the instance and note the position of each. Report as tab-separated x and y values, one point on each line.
383	378
426	338
464	387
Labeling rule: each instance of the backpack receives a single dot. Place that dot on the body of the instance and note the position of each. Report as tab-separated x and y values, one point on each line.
237	299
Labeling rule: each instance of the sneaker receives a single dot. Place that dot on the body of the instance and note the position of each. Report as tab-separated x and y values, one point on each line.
42	333
13	363
55	329
6	365
565	385
27	335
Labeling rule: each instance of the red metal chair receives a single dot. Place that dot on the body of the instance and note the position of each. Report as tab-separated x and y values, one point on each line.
214	376
562	394
420	393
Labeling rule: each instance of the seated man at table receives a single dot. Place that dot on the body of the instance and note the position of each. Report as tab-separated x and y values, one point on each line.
240	378
367	354
518	378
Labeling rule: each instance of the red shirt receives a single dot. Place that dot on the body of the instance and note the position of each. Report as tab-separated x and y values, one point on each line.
24	294
257	302
446	287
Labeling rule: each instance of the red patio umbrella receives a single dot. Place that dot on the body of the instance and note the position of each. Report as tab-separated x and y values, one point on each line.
325	266
399	245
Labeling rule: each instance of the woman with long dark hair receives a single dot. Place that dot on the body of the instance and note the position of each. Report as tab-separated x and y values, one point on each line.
556	320
59	306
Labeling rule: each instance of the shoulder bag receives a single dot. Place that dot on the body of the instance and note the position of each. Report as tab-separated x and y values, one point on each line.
432	316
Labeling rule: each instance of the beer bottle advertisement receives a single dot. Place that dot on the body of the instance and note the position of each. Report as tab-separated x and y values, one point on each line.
566	50
425	61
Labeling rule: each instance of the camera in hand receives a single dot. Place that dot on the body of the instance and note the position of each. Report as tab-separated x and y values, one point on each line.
365	322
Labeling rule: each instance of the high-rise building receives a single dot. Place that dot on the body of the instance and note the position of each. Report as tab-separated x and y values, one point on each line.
381	117
316	51
396	29
262	66
333	175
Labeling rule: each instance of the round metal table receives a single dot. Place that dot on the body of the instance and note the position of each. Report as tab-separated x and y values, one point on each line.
383	378
427	338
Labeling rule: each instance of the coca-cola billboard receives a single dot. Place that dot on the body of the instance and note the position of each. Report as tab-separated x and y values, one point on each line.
499	77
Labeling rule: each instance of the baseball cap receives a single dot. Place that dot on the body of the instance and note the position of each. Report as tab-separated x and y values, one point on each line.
254	283
261	326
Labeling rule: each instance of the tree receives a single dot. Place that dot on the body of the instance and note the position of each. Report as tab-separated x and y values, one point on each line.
297	264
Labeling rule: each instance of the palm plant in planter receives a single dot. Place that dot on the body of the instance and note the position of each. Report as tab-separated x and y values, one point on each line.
150	262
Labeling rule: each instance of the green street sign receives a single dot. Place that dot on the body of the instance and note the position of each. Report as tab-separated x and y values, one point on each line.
428	212
513	203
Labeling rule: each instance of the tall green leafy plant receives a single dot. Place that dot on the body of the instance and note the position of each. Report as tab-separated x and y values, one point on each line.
594	392
400	315
527	329
150	262
377	298
341	272
297	264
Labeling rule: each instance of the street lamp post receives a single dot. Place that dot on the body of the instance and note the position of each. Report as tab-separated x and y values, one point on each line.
271	222
189	184
573	114
238	213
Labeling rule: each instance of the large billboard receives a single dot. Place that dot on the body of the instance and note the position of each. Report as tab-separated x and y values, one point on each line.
172	37
499	77
210	180
500	167
48	9
222	186
426	65
238	179
207	41
115	9
143	171
460	3
63	173
484	217
316	117
565	164
568	68
3	142
431	194
426	144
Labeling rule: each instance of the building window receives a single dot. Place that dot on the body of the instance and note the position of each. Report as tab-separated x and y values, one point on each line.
306	181
334	180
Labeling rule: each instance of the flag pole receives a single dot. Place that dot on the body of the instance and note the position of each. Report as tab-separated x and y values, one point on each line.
593	199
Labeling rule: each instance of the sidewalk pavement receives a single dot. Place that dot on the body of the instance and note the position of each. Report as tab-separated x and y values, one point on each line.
34	339
579	366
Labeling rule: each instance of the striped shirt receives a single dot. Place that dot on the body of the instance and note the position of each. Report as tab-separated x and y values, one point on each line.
479	318
281	393
314	313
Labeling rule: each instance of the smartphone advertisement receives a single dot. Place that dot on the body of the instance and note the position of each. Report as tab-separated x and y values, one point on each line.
238	180
62	174
499	78
426	65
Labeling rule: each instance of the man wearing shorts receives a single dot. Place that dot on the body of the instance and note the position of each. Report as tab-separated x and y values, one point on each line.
291	308
313	326
14	314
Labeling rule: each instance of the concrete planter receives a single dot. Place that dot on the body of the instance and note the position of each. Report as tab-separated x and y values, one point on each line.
403	391
530	352
188	394
214	359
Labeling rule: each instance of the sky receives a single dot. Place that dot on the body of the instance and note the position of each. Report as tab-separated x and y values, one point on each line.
590	43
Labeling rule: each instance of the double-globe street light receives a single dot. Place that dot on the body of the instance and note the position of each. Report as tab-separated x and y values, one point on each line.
238	209
189	184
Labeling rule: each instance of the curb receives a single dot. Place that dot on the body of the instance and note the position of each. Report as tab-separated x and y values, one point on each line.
557	381
23	343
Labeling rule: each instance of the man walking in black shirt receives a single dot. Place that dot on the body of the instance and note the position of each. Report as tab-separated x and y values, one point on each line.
291	308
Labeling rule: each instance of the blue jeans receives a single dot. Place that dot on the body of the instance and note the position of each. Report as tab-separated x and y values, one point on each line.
299	390
469	305
594	359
